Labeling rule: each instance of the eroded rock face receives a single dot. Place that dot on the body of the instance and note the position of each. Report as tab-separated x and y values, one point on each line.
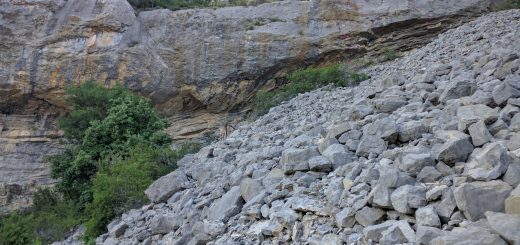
203	60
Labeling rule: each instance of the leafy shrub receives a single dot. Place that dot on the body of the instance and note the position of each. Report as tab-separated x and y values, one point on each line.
390	54
126	120
50	219
90	102
120	186
304	80
509	4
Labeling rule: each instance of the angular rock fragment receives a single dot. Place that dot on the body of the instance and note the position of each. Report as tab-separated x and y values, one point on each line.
475	198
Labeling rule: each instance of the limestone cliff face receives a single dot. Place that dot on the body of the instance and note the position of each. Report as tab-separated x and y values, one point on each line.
196	65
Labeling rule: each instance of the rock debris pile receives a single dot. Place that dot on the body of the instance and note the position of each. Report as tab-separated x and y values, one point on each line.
425	152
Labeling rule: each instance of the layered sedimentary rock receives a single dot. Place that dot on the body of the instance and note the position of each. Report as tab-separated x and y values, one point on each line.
198	66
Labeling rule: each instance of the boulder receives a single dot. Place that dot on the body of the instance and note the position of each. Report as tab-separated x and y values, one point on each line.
166	186
513	202
320	164
338	155
225	207
506	225
370	144
345	218
425	234
407	197
456	147
458	89
468	236
414	162
163	224
249	188
297	159
374	232
488	163
479	133
369	216
475	198
411	130
427	216
400	232
473	113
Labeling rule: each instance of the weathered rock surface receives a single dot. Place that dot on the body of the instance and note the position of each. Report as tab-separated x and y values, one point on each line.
198	66
436	179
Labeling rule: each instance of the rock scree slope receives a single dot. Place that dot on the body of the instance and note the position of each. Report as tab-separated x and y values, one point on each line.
425	152
196	65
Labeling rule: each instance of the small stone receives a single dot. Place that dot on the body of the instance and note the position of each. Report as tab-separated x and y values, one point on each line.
435	192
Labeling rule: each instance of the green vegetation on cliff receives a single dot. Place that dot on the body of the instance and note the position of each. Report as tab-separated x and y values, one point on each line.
116	149
305	80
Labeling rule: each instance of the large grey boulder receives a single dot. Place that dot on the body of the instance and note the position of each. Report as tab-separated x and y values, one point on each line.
513	202
385	128
407	197
249	188
225	207
369	216
163	224
479	133
473	113
400	232
475	198
427	216
166	186
374	232
411	130
338	155
345	218
297	159
488	163
425	234
414	162
458	89
506	225
370	144
462	236
456	147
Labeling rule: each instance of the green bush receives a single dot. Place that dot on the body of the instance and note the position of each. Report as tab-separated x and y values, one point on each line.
304	80
124	120
390	54
509	4
120	186
89	102
48	220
